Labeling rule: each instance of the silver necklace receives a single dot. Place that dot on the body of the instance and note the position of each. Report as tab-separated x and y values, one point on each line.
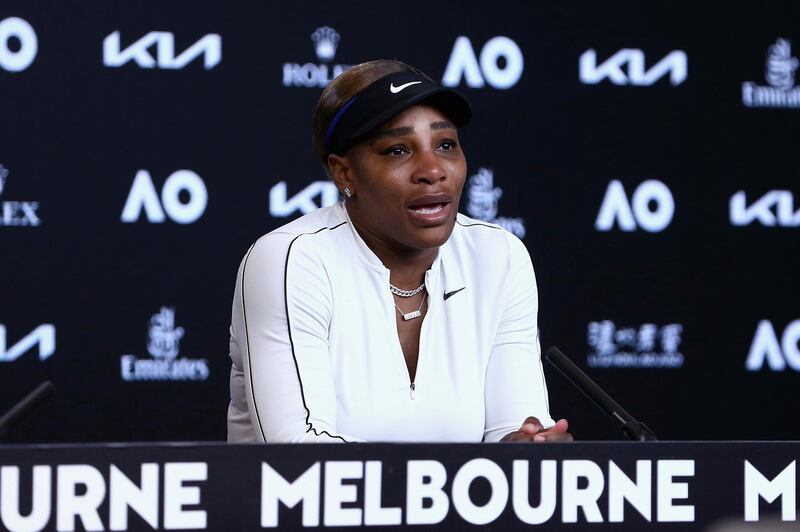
406	293
414	313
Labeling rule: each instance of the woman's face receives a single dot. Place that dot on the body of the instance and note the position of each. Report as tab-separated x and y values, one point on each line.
408	178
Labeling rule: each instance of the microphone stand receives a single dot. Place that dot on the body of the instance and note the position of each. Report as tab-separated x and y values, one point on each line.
633	429
28	403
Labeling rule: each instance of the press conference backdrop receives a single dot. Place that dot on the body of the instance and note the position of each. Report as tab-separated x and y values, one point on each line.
645	153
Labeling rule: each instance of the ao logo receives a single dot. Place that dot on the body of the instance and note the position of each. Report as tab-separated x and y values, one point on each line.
143	196
617	209
303	201
591	73
16	61
765	347
44	336
210	47
464	64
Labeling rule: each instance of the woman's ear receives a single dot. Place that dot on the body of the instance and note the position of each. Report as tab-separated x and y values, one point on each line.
341	173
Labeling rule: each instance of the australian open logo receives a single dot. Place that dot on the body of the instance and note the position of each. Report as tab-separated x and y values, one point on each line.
482	200
326	41
17	213
779	71
163	344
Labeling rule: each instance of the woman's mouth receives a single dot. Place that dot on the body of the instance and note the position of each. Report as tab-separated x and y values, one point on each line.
429	209
430	215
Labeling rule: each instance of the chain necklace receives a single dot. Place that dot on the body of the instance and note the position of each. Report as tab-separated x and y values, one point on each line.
414	313
406	293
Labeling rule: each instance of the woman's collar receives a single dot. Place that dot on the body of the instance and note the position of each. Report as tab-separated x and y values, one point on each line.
370	258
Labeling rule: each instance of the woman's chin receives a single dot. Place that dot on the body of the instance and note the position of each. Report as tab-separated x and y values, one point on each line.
432	237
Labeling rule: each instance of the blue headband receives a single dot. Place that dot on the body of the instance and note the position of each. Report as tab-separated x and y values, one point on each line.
336	118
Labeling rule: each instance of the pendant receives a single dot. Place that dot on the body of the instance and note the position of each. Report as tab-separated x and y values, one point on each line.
412	315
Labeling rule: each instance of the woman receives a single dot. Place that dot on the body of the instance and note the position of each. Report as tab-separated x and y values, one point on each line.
388	317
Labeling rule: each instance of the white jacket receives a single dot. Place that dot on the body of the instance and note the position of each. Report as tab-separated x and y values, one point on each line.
315	351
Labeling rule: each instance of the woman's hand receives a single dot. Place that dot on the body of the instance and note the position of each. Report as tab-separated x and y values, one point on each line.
532	430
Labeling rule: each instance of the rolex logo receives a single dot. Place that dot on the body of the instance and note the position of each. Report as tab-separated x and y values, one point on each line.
319	74
325	41
16	213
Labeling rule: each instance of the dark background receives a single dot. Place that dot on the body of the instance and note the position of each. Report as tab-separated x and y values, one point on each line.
74	133
715	490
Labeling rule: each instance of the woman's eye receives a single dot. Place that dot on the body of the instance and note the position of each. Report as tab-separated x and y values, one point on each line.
447	145
395	151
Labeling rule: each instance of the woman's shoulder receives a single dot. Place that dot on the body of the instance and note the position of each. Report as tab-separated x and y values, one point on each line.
318	222
307	235
485	238
496	258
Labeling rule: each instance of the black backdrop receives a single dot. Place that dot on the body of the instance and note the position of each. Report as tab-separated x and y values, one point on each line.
664	315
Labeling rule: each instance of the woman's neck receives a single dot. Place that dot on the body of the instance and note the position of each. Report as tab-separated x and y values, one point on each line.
407	265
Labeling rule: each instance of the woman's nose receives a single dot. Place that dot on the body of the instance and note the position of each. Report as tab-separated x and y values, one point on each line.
429	168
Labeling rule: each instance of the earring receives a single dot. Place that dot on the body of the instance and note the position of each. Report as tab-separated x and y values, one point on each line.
347	192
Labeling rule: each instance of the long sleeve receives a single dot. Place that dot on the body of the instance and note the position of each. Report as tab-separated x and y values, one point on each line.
515	385
279	344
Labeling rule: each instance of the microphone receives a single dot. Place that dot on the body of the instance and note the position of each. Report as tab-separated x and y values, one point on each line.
28	403
634	430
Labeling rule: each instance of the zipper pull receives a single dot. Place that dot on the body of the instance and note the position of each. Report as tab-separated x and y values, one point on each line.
412	391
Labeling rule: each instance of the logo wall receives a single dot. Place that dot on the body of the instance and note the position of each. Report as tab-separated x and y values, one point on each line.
627	67
209	47
325	40
164	346
649	346
500	65
779	72
482	200
775	208
43	337
16	213
143	197
651	208
776	354
17	59
281	206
